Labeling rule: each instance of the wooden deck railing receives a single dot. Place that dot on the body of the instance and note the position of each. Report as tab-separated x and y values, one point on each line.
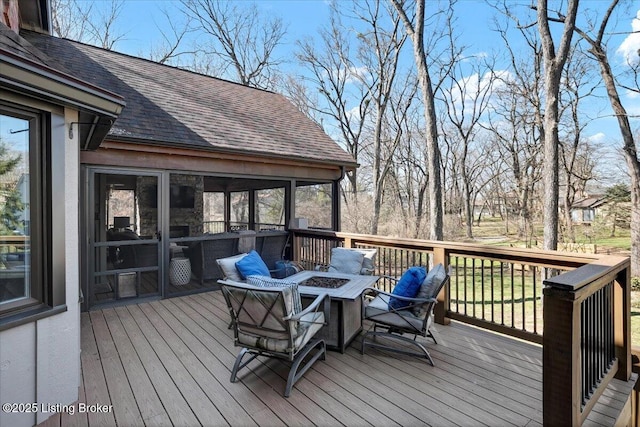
587	340
497	288
213	227
583	301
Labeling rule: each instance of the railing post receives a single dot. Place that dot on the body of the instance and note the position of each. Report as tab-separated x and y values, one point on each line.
295	247
440	256
586	341
622	323
561	358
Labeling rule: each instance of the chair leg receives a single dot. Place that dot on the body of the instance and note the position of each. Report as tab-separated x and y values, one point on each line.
294	373
423	353
239	365
430	335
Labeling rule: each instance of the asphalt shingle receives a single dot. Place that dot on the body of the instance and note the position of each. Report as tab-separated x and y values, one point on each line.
171	106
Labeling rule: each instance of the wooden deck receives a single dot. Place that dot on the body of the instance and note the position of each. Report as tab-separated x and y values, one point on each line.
168	363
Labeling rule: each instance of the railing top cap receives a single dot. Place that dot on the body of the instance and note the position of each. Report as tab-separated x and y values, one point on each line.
588	273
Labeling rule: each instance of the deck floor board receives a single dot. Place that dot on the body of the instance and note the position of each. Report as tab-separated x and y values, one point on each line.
168	362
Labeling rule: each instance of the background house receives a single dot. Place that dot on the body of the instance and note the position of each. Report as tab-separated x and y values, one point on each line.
585	210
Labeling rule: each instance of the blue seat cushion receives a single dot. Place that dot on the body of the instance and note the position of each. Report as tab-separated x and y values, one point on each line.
252	265
408	286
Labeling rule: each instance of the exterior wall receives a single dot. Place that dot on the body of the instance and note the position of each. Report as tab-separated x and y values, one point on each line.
11	15
40	361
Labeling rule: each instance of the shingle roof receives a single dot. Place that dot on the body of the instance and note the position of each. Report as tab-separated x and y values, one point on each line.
11	42
180	108
589	202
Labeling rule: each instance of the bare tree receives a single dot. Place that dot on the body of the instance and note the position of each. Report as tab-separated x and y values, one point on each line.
88	21
379	53
516	125
173	35
345	105
241	39
598	51
415	28
554	61
466	100
576	153
69	18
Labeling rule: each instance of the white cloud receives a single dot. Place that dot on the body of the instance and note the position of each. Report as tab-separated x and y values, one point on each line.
474	56
629	49
631	94
358	73
475	84
597	138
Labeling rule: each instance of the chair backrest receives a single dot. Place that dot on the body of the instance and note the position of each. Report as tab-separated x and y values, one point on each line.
427	308
203	254
271	246
259	312
352	260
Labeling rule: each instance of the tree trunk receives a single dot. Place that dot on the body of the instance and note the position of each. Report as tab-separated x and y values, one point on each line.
468	206
415	30
630	154
553	65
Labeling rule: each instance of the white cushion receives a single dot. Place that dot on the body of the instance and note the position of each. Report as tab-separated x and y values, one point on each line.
368	262
346	261
228	267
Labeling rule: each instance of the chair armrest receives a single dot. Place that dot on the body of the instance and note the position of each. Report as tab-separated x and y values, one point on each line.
413	303
313	307
376	292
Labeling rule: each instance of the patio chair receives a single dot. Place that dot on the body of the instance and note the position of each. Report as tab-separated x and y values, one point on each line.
265	323
351	261
203	253
397	315
271	246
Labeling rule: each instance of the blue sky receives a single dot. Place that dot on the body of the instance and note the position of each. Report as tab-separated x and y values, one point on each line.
304	18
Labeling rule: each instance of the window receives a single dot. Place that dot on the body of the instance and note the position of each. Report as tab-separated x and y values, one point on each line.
314	203
25	217
270	209
588	215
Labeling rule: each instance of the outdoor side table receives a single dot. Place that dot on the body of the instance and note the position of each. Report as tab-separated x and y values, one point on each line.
180	271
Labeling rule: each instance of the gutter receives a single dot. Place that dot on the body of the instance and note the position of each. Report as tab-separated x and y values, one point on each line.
98	107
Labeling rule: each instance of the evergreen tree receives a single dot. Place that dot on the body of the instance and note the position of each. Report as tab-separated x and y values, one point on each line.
619	206
12	206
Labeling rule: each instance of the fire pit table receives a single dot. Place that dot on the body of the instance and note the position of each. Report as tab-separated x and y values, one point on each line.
345	318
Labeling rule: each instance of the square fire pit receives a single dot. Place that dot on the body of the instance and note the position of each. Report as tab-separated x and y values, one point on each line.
324	282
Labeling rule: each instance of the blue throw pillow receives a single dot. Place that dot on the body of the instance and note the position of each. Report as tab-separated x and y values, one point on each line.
407	286
252	265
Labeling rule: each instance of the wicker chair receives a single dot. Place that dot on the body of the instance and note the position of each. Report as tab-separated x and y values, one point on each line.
203	255
265	323
271	246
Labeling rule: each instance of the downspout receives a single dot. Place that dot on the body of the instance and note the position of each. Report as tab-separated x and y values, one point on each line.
335	214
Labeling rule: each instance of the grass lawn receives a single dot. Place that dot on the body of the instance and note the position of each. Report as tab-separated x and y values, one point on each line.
635	318
504	293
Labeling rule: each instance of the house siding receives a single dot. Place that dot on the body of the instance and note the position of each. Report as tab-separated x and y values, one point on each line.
40	361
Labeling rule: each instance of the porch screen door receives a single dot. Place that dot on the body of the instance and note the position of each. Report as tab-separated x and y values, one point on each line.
124	237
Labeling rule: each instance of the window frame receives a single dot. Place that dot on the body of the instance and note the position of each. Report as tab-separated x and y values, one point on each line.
46	296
